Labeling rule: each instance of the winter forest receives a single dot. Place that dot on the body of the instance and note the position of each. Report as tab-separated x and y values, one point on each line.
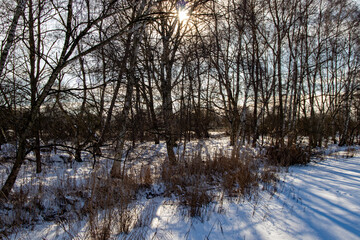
155	119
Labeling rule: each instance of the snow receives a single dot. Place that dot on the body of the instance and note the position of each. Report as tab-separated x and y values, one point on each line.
317	201
7	150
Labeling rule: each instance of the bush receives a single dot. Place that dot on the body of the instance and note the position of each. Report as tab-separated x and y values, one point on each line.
188	182
195	180
288	155
106	204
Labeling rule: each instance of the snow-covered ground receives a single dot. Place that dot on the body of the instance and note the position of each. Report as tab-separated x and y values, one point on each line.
318	201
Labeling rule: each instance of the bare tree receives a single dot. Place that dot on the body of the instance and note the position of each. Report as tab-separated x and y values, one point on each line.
70	41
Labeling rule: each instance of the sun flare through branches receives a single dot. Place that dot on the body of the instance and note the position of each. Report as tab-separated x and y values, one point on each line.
182	11
183	15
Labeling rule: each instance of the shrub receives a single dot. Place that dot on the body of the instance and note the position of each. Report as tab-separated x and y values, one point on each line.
195	180
188	182
106	204
288	155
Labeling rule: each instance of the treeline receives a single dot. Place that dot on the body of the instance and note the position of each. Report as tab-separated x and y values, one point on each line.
87	73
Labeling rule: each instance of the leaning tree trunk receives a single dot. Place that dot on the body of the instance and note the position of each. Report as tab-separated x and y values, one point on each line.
10	181
116	167
11	34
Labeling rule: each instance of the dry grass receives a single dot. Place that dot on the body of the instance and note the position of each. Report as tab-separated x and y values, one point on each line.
111	208
288	155
197	181
108	208
108	205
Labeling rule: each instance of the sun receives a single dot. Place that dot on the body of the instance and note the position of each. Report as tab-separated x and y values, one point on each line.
183	15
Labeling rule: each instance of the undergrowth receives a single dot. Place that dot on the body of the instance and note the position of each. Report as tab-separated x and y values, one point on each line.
288	155
196	181
109	206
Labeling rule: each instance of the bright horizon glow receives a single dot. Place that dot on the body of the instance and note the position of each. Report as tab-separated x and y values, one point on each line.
183	15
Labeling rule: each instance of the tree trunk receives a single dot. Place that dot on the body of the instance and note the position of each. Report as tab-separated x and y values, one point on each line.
11	33
10	181
33	82
116	171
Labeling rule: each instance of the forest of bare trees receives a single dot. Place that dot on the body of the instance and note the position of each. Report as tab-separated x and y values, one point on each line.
91	73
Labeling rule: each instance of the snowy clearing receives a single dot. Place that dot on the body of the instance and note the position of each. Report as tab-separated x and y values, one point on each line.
318	201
